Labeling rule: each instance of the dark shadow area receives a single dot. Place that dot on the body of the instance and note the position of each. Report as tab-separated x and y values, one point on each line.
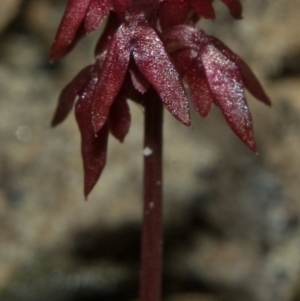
289	67
122	246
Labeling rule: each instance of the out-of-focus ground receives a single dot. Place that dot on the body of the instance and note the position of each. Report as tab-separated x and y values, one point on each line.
232	228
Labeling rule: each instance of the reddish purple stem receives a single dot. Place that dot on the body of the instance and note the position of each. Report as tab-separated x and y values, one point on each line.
152	232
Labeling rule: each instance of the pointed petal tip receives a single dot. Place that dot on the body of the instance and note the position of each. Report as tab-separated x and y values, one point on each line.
263	98
246	135
99	121
259	93
237	15
203	115
250	142
52	59
97	125
55	54
87	191
189	124
56	120
53	123
185	120
266	101
253	148
119	118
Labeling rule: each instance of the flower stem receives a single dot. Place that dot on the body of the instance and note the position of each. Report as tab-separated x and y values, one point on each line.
152	232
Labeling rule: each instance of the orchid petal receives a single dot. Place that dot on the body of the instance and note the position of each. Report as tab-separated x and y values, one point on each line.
226	85
97	11
69	94
71	21
180	37
252	84
112	76
235	8
200	93
154	63
78	36
130	92
250	80
182	61
93	146
138	80
119	118
203	8
173	12
109	31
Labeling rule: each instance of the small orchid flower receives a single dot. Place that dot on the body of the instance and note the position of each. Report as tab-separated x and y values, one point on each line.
136	40
93	146
215	75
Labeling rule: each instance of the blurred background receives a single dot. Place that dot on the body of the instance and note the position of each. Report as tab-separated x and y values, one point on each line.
232	228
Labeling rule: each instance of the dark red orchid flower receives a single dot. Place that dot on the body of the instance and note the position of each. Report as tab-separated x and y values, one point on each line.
135	55
215	75
136	39
93	146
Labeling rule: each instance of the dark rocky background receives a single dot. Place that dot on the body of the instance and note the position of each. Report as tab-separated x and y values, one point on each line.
232	228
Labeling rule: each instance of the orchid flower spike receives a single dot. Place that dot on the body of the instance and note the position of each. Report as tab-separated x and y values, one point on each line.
150	44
